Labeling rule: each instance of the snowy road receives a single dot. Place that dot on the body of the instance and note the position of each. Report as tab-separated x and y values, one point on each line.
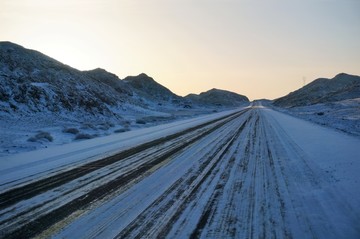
255	173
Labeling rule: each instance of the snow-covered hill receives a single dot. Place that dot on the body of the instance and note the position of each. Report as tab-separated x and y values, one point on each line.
322	90
146	88
32	82
45	102
334	103
216	97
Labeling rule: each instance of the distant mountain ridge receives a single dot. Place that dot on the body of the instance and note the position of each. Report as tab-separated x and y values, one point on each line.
341	87
218	97
33	82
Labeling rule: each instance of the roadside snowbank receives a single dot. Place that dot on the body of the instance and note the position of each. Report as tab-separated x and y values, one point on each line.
341	115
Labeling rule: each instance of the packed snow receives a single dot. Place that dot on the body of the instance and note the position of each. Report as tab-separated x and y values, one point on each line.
261	174
318	190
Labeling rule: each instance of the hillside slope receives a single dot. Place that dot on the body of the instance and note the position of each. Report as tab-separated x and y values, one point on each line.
33	82
322	90
334	103
148	89
216	97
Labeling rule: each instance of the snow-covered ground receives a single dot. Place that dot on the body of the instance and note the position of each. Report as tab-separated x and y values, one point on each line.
23	133
23	167
309	191
341	115
261	174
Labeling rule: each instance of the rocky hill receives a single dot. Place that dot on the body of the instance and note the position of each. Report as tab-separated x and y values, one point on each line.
216	97
147	89
322	90
33	82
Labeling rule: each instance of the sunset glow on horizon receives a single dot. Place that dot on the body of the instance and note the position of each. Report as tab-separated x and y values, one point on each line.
261	50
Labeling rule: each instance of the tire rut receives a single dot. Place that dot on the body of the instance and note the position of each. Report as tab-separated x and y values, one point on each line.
39	224
182	196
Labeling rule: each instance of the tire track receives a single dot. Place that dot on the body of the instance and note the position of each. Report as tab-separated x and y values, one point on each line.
44	221
244	178
182	193
15	195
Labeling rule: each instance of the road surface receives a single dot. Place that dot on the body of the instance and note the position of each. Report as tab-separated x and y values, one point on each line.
254	173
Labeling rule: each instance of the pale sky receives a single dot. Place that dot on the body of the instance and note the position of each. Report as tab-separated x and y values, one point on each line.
261	49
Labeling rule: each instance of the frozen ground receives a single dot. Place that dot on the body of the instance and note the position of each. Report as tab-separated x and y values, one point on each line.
254	174
341	115
22	133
